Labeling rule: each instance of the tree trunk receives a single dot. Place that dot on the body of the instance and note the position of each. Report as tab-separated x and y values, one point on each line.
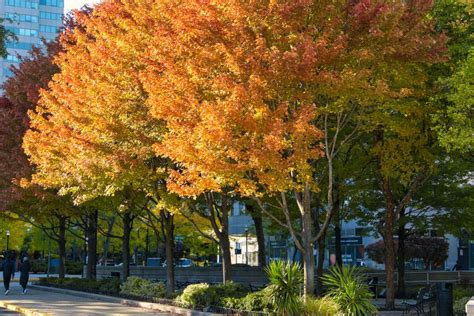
167	220
258	221
320	267
401	255
337	222
386	228
221	231
110	228
127	229
62	246
389	258
224	243
308	254
92	245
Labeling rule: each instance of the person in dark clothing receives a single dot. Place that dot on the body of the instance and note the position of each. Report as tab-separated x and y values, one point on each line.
8	272
24	274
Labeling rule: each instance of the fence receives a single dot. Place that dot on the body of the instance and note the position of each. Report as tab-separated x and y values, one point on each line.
255	276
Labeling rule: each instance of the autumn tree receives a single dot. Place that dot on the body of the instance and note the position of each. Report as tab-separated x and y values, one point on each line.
241	88
92	136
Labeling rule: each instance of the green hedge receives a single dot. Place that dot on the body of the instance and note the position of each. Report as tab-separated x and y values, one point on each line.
107	286
38	266
74	267
135	286
252	302
203	295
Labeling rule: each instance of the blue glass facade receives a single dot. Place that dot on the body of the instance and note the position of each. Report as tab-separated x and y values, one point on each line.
30	21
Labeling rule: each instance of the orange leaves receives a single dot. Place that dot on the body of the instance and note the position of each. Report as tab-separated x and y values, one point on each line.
227	90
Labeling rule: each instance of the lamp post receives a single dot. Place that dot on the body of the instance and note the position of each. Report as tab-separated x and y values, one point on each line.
8	238
246	245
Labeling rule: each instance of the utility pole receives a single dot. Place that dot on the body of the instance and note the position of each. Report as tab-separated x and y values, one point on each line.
246	245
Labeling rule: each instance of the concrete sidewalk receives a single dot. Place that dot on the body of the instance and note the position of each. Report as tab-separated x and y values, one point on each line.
38	302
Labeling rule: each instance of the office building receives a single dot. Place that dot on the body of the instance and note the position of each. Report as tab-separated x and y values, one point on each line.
30	21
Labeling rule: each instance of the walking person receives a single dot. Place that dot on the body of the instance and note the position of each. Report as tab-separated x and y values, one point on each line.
8	271
24	274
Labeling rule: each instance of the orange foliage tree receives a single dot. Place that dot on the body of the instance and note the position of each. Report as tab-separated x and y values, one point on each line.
239	85
91	134
229	91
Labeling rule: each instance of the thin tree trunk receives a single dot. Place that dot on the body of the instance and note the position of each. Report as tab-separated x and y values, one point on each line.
308	255
92	245
389	257
320	267
225	242
386	228
62	246
337	222
167	220
258	221
110	227
401	255
127	228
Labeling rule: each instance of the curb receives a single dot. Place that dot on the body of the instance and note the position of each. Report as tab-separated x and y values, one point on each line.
22	310
173	310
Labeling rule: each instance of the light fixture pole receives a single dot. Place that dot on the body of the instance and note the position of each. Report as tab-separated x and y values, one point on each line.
246	245
8	238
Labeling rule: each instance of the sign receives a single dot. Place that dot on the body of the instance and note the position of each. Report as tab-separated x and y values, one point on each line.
357	240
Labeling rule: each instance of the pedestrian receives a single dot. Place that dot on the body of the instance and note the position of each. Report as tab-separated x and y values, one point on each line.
457	266
8	271
24	274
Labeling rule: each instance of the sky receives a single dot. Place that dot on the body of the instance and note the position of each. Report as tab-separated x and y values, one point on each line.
76	4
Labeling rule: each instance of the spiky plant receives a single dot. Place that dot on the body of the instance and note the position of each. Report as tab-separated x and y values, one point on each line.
286	282
348	288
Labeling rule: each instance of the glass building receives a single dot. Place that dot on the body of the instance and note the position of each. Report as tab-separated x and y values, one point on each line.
30	21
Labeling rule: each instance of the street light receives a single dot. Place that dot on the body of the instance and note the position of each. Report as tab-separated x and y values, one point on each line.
246	245
8	238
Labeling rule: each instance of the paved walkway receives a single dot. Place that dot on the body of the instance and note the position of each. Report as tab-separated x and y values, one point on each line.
62	304
5	312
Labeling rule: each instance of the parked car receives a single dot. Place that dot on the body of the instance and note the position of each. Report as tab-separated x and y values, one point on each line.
182	263
154	262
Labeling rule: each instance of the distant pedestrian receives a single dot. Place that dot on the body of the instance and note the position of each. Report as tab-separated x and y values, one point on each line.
457	266
8	271
24	274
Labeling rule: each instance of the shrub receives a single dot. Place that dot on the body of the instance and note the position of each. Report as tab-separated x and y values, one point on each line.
136	286
74	267
459	306
195	295
38	266
109	286
348	289
257	301
461	292
204	295
322	307
286	282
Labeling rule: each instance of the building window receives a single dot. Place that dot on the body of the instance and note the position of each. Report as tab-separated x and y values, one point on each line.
51	16
48	29
18	45
238	209
21	17
13	59
22	32
53	3
22	4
